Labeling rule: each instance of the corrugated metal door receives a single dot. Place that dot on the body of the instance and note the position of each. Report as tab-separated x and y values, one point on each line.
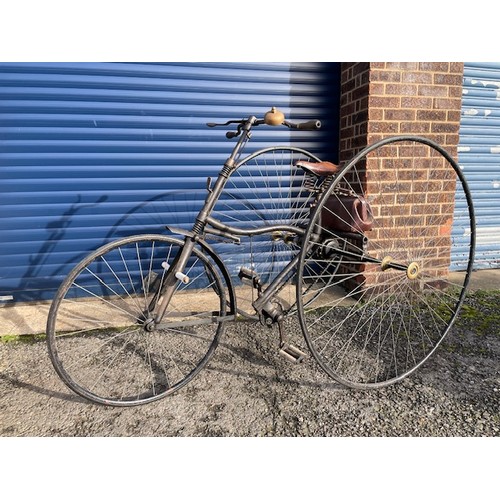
479	155
85	147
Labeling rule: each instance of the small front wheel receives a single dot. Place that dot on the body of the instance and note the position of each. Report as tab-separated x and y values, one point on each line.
102	336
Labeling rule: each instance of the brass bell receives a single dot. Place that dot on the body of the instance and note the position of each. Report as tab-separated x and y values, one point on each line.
274	117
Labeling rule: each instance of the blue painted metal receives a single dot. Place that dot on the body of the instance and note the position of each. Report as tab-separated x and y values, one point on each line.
479	156
84	144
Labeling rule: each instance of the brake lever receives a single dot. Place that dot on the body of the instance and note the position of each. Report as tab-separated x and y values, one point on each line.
211	124
231	134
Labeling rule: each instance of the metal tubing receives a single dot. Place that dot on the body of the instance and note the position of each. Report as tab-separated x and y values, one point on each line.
252	232
277	282
229	165
170	284
366	258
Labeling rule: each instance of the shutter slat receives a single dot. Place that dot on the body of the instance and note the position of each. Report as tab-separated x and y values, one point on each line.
85	144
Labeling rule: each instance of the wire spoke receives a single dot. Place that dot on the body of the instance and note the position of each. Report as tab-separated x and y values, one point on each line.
375	324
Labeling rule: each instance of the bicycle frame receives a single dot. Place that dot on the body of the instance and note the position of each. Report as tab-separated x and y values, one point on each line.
372	306
207	224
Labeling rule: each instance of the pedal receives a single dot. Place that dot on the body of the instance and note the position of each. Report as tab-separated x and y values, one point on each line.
246	273
250	276
292	353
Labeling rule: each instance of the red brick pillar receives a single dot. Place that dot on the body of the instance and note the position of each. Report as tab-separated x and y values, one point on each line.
385	99
354	116
381	100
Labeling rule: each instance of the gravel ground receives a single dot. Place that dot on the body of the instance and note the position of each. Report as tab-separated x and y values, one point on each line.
249	390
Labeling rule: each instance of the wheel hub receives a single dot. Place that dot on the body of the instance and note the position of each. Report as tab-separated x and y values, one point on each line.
413	270
149	325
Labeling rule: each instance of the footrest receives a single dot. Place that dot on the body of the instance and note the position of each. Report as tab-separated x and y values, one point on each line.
292	353
249	276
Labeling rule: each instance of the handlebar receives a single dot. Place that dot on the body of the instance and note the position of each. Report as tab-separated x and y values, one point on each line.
274	117
310	125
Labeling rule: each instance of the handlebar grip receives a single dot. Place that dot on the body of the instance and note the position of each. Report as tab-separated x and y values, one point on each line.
310	125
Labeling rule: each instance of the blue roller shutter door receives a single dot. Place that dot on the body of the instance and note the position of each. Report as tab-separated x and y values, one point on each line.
479	156
85	147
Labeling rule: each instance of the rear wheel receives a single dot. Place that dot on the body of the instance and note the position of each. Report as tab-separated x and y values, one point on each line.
103	340
266	189
386	294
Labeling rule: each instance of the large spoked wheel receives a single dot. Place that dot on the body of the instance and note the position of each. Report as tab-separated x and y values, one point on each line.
377	297
266	189
103	340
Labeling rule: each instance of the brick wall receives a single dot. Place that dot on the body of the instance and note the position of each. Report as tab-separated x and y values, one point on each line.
383	99
416	98
354	98
388	98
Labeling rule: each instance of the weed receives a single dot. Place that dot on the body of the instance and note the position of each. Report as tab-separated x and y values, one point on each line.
26	339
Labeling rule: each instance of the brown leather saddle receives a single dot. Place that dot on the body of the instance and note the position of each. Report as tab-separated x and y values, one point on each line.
320	168
346	212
